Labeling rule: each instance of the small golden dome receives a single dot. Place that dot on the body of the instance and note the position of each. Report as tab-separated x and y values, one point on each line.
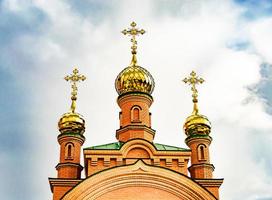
72	123
134	79
197	125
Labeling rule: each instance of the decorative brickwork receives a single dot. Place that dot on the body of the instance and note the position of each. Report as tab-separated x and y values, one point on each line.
134	167
133	150
138	181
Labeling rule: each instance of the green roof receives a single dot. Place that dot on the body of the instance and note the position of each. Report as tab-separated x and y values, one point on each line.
163	147
118	145
110	146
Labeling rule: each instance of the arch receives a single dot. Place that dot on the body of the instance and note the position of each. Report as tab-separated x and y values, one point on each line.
138	144
138	152
201	152
136	113
69	150
120	182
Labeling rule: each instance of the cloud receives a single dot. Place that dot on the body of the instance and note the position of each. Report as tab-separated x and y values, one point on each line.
253	10
205	36
259	34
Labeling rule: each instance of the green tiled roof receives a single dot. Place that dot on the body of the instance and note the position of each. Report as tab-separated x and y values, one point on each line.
164	147
118	145
110	146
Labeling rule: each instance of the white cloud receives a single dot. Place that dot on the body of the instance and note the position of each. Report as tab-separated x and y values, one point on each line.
260	35
173	46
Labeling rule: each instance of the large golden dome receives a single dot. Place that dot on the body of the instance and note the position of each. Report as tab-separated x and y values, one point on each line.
134	79
197	124
72	122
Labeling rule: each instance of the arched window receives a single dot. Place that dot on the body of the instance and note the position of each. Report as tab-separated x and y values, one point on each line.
135	114
69	151
202	157
201	154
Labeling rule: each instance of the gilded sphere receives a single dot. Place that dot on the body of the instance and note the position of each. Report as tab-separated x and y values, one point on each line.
197	125
134	79
72	123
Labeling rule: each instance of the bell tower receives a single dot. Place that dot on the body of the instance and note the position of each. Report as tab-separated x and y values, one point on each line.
71	126
197	128
134	84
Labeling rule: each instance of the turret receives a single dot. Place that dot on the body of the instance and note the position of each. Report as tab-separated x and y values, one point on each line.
134	86
71	126
197	128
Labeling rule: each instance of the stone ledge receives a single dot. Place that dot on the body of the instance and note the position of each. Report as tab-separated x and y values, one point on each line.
69	164
63	182
210	182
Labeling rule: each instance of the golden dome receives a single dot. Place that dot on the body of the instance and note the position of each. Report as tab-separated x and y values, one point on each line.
72	122
134	79
197	125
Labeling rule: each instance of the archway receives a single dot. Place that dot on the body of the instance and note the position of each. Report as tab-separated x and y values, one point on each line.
138	182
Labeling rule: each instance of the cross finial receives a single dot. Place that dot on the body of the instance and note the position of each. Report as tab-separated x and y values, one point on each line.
74	78
193	80
133	32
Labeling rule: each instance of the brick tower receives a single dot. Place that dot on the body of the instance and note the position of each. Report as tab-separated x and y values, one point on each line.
134	85
197	128
71	127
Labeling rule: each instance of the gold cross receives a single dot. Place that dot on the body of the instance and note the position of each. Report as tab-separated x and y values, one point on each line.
74	78
133	32
193	80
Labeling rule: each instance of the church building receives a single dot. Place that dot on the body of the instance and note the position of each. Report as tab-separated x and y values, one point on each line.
134	167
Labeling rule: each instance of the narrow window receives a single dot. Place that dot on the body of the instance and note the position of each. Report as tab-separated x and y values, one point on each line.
69	151
136	114
201	152
202	157
120	119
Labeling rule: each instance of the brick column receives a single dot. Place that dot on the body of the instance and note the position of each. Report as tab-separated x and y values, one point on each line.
135	118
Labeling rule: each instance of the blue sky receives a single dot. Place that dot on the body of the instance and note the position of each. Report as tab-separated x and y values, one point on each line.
228	43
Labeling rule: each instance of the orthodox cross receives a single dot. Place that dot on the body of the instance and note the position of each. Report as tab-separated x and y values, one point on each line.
193	80
133	32
74	78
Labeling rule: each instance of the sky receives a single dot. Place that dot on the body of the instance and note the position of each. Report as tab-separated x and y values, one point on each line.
227	42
